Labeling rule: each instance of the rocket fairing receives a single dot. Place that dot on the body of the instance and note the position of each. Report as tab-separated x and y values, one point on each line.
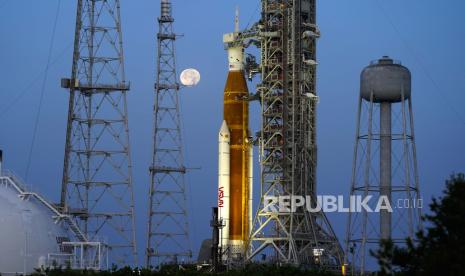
235	158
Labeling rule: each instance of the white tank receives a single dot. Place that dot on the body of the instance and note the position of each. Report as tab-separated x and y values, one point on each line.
387	81
28	232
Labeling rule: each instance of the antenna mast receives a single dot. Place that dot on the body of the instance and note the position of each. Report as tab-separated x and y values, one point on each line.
168	232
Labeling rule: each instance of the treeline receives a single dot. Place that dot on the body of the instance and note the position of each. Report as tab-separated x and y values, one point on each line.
252	270
440	248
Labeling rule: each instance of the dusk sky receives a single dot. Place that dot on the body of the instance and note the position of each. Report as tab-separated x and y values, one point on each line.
427	36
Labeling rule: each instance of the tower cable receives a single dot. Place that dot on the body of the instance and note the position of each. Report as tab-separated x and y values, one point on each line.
27	88
42	91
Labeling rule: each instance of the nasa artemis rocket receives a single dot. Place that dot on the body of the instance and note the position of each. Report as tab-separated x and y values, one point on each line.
235	155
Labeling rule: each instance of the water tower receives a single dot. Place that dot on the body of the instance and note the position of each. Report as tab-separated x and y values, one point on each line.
384	164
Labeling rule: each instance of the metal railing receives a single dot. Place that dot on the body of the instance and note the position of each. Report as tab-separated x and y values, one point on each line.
11	179
86	255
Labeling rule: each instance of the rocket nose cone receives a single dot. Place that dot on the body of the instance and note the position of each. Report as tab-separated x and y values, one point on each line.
223	135
224	128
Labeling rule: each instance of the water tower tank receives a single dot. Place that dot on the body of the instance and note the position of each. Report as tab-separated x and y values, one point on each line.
387	80
28	232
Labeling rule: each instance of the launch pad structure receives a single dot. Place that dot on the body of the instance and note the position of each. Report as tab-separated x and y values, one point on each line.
97	163
97	200
97	141
286	35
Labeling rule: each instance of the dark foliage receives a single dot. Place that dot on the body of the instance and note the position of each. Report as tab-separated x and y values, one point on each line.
440	249
251	270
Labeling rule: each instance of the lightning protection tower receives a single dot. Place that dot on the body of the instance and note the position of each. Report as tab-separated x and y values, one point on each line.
384	163
167	234
97	182
288	34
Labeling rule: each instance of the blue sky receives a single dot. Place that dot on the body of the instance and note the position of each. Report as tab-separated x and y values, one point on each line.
427	36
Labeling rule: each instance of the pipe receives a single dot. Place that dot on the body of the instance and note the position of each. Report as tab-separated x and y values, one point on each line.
385	167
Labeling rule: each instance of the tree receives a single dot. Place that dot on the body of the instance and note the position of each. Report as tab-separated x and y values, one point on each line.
440	249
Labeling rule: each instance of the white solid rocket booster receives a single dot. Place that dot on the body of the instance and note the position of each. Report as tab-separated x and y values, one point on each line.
223	183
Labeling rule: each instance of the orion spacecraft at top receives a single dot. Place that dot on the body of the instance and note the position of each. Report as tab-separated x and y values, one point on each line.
235	168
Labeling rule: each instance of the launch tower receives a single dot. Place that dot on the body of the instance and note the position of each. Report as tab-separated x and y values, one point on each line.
286	36
97	181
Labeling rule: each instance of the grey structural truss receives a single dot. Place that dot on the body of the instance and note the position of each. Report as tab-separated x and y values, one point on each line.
286	36
97	189
167	231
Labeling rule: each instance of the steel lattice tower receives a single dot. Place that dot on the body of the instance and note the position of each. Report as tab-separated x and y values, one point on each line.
97	182
167	235
288	34
384	164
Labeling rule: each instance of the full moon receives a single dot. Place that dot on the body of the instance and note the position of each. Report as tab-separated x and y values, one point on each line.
190	77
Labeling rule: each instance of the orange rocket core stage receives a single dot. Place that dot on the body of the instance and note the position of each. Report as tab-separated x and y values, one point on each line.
236	115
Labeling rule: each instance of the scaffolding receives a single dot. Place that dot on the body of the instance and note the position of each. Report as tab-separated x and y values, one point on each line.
287	34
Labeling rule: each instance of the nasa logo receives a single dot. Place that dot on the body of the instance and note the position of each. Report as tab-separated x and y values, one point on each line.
220	197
